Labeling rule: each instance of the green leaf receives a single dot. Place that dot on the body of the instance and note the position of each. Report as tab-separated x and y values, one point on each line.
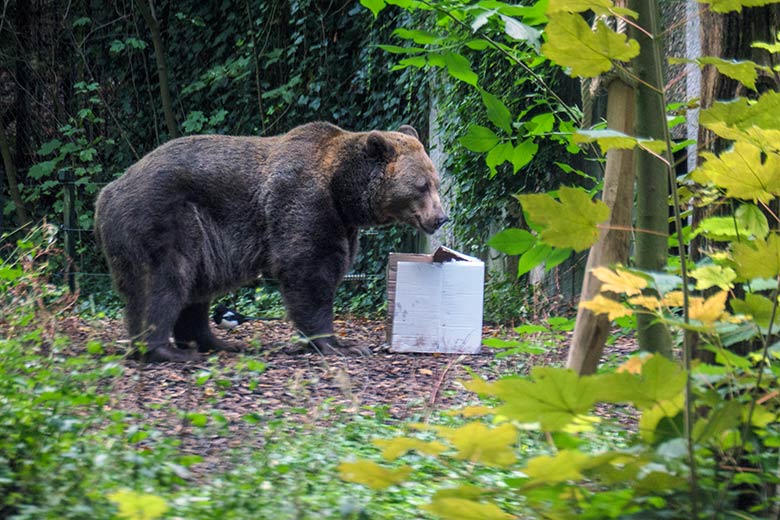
522	154
395	49
478	443
752	219
372	475
533	257
726	6
116	47
49	147
419	37
42	169
479	139
512	241
375	6
660	380
744	72
459	68
571	43
758	259
734	119
570	223
714	276
744	172
600	7
497	112
399	446
138	506
610	139
554	398
541	124
564	465
654	415
464	509
759	308
498	155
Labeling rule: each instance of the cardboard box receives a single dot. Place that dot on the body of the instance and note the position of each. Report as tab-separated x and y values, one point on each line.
434	302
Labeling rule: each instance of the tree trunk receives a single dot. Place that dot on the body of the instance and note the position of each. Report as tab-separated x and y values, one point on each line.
652	182
590	332
146	8
22	217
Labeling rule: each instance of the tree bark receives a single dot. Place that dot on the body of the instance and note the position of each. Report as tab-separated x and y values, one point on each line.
591	331
22	217
652	182
147	11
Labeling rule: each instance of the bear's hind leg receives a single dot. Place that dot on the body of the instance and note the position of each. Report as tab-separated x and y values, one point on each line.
192	326
165	302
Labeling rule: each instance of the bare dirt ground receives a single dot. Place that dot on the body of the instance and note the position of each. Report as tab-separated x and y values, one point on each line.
300	385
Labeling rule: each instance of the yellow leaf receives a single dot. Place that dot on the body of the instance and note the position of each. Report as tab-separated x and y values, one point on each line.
138	506
477	442
619	281
633	365
673	299
452	508
602	305
371	474
710	310
652	416
564	465
648	302
399	446
471	411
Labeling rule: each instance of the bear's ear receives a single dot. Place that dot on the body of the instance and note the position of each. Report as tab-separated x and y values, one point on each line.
408	130
377	146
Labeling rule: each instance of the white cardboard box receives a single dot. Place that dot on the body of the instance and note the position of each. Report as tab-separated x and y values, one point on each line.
435	302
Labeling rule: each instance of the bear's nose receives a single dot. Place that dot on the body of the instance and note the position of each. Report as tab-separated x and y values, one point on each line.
441	221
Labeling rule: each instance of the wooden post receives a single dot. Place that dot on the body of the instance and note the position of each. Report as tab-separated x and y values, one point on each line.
69	223
591	331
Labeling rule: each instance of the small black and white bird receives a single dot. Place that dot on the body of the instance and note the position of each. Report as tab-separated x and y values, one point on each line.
228	319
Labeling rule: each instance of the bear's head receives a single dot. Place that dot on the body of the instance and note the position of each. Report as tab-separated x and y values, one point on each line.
409	190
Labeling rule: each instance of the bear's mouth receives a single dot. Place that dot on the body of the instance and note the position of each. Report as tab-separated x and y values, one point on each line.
422	226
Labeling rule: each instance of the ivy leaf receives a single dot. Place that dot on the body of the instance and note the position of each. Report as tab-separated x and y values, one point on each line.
744	172
375	6
572	222
619	281
714	276
372	475
603	305
758	259
479	139
571	43
138	506
497	112
464	509
726	6
478	443
610	139
742	71
399	446
459	68
522	154
512	241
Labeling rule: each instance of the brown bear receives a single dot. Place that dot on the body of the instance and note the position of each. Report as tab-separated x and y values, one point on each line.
202	215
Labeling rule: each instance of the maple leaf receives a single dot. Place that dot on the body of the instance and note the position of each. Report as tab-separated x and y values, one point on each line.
710	310
714	276
758	259
619	281
603	305
477	442
371	474
673	299
399	446
650	303
744	172
455	508
570	223
571	43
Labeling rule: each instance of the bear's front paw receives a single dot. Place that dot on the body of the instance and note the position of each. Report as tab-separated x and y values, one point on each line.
329	346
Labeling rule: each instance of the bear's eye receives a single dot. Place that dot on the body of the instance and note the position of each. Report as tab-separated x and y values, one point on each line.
422	188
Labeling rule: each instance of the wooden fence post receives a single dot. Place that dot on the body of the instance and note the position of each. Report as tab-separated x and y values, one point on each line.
68	225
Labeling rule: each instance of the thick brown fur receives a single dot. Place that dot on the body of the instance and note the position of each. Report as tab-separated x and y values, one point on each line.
202	215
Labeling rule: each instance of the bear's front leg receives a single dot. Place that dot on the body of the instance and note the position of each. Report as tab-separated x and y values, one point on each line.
308	289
